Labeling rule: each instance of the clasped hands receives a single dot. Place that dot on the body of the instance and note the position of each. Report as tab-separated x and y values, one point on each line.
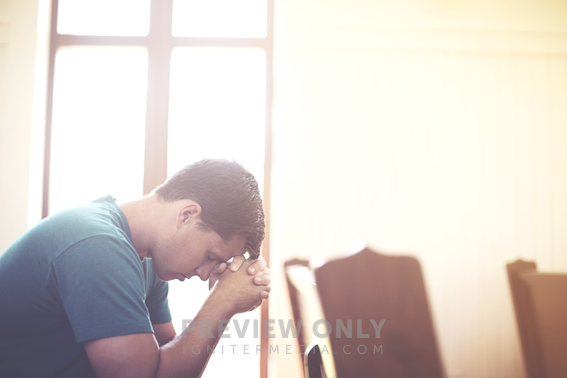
244	288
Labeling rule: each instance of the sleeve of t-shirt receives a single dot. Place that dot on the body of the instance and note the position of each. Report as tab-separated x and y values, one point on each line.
157	303
101	285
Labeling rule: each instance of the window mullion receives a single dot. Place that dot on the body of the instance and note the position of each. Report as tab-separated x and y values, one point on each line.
159	56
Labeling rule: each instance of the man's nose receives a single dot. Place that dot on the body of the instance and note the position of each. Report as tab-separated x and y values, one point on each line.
204	271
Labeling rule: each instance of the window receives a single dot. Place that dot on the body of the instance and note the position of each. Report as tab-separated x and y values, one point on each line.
141	88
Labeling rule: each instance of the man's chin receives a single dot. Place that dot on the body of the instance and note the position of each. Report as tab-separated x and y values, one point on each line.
179	277
182	277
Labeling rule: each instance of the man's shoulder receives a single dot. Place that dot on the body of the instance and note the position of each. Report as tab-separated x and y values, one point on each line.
100	219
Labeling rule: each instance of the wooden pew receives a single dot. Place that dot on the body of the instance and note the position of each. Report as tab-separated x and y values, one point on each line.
307	310
290	267
370	286
540	304
366	287
312	362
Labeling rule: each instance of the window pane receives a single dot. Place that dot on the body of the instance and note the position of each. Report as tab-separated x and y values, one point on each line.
217	110
234	356
220	18
217	107
104	17
98	129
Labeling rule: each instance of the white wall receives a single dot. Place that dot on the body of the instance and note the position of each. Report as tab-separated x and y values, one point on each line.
19	44
435	128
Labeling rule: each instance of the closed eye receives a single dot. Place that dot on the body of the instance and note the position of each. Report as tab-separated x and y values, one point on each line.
211	257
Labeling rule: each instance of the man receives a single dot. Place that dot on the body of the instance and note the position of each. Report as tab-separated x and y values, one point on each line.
83	292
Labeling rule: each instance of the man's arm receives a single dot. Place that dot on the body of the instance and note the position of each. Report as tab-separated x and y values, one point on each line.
139	355
164	332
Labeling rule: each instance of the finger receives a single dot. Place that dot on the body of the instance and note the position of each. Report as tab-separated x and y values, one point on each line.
219	269
215	273
236	263
265	295
264	279
257	266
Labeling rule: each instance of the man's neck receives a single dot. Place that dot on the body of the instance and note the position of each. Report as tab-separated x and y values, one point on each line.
142	215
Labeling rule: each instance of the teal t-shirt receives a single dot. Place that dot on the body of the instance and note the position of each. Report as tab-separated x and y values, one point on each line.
72	278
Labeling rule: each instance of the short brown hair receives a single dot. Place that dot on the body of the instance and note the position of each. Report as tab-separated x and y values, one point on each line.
228	195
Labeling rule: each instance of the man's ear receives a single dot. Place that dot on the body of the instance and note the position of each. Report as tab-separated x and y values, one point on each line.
189	211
